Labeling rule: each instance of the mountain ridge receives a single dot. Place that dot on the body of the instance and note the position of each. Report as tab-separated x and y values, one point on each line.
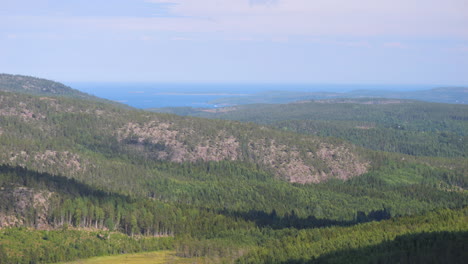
102	179
43	87
396	125
453	95
176	139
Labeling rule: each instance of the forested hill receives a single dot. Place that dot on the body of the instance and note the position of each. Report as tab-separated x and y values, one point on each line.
396	125
102	145
44	87
220	189
41	131
452	95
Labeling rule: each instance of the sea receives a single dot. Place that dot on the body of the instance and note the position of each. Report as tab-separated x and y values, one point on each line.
199	95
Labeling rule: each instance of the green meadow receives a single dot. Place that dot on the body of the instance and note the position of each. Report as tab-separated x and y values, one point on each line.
156	257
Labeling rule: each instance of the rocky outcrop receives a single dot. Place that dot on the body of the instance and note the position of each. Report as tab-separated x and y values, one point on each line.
287	161
24	203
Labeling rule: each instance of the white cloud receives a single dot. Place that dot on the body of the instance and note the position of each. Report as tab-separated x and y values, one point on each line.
278	19
322	17
397	45
182	39
329	42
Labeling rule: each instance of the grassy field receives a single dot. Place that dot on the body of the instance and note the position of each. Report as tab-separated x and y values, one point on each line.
156	257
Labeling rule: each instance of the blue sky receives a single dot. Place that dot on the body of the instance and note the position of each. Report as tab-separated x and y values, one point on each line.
237	41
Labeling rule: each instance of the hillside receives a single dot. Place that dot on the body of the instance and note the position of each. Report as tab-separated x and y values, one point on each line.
395	125
452	95
38	86
91	178
69	125
102	145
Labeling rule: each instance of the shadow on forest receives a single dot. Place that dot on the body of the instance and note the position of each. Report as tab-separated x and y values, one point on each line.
18	176
291	220
23	177
436	247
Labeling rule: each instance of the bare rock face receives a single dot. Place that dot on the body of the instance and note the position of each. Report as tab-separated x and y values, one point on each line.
299	159
329	161
173	145
343	163
26	203
287	161
59	160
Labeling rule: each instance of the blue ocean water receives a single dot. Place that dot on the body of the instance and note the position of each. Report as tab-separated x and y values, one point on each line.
155	95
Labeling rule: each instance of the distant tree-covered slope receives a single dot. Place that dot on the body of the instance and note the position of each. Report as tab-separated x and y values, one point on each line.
214	163
70	129
220	189
409	127
452	95
44	87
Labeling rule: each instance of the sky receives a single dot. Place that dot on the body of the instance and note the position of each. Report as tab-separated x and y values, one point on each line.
237	41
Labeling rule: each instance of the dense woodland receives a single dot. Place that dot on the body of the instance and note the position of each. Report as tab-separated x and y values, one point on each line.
212	233
404	240
408	127
24	246
70	181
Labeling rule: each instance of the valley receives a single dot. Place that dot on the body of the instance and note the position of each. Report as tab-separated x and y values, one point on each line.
369	179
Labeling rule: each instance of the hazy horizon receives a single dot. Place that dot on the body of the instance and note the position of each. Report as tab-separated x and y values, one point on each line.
156	95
